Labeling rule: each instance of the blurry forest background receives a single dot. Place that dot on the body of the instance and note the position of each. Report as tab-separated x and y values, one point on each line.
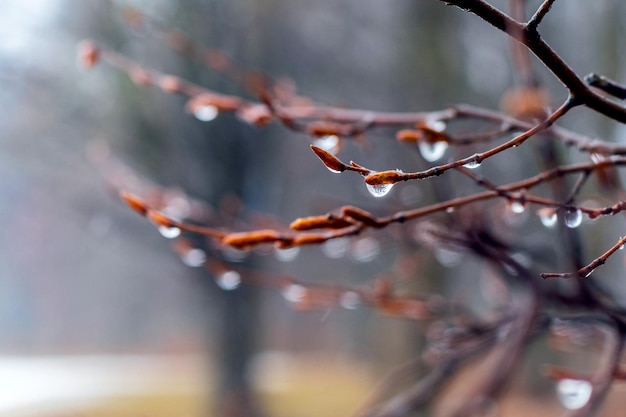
83	275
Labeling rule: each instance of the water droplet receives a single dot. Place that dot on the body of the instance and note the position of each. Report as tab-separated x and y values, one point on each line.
169	232
349	300
229	280
472	165
573	218
379	190
294	293
329	143
335	248
517	207
205	113
573	393
432	151
621	247
450	210
194	257
286	255
365	249
548	217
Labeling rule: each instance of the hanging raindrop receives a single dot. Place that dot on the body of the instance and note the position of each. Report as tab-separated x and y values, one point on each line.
229	280
286	255
379	190
169	232
573	393
472	165
329	143
548	217
517	207
206	113
432	151
573	218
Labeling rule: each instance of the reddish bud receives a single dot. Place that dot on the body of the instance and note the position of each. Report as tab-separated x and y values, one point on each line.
319	222
331	161
134	202
243	240
257	114
88	53
160	219
385	177
409	135
319	129
359	215
525	102
170	84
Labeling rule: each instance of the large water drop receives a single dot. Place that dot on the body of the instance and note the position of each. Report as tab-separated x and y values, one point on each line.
517	207
432	151
379	190
573	393
169	232
472	165
206	113
286	255
329	143
547	217
229	280
573	218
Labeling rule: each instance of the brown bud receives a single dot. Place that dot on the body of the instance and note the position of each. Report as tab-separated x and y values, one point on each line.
134	202
319	222
409	135
243	240
385	177
170	84
257	114
525	102
430	134
160	219
88	53
310	239
359	215
324	129
331	161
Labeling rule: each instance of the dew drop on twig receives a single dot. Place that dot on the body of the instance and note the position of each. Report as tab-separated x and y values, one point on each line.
329	143
286	255
228	280
432	151
573	218
169	232
379	190
573	393
472	165
206	113
517	207
547	217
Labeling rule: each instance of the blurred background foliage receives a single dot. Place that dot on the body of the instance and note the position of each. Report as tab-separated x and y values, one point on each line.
82	275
